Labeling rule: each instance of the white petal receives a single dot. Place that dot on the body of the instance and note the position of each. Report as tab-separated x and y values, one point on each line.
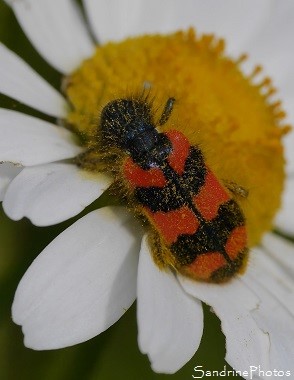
275	35
281	250
49	194
170	322
81	284
285	218
246	344
28	141
7	173
289	139
275	314
20	82
236	20
56	29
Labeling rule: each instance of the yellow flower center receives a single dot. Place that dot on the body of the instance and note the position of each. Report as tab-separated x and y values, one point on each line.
217	107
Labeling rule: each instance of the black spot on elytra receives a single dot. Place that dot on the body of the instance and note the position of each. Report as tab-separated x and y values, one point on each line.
211	236
179	189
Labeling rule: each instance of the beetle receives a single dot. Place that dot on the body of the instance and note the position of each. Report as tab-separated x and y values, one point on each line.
195	224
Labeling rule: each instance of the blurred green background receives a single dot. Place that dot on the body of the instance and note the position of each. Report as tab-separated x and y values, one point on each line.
112	355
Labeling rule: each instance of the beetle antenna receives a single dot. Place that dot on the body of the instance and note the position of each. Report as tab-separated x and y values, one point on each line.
167	111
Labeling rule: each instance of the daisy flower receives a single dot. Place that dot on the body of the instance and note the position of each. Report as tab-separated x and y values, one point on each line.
86	279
